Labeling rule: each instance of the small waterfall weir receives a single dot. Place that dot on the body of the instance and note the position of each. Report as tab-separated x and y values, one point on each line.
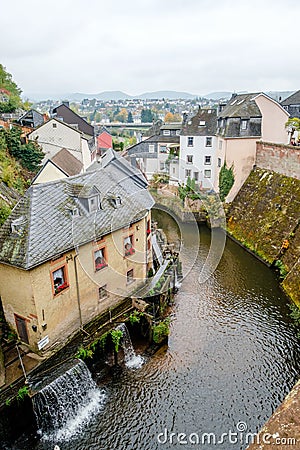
66	403
132	360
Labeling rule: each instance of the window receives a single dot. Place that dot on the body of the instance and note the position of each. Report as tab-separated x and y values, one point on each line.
244	124
189	159
219	162
129	275
103	292
196	176
202	123
162	165
208	142
163	149
207	160
220	145
207	173
174	170
59	279
190	141
166	132
177	132
54	125
99	258
93	203
187	173
151	148
128	245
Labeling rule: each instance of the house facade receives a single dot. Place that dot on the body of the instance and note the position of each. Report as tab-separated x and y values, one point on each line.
292	104
54	135
65	114
198	143
71	249
246	119
151	155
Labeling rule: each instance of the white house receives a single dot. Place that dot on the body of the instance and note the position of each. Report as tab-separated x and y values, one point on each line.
198	143
54	135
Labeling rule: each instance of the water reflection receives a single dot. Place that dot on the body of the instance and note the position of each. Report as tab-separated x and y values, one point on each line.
232	356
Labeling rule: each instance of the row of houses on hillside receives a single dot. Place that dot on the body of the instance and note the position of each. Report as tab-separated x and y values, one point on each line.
72	248
202	144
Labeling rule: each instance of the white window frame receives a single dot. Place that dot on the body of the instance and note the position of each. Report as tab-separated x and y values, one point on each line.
244	124
189	159
208	141
167	132
188	173
190	141
207	160
151	148
207	173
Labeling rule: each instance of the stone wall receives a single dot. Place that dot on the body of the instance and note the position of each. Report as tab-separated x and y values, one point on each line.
263	216
283	159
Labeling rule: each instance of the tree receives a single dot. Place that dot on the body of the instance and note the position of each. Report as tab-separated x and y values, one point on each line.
10	90
30	154
170	117
122	116
146	116
292	125
130	118
226	180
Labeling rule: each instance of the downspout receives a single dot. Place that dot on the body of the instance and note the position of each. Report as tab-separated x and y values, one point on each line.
77	289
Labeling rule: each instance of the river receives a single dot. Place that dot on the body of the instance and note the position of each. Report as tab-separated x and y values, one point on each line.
231	359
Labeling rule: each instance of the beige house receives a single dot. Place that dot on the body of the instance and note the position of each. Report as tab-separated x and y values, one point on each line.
71	249
54	135
244	120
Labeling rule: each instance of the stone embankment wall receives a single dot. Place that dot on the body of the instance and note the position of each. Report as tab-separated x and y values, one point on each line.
283	159
265	217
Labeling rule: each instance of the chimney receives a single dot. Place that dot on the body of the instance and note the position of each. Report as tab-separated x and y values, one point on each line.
66	103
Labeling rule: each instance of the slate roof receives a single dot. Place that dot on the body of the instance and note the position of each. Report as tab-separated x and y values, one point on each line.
293	99
193	128
42	227
143	146
31	118
72	118
242	106
67	162
171	126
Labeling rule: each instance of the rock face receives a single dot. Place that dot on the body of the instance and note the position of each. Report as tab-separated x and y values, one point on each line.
265	217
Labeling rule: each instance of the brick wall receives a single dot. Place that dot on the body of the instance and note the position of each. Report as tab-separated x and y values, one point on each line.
283	159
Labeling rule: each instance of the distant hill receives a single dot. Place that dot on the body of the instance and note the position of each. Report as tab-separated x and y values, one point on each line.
217	95
119	95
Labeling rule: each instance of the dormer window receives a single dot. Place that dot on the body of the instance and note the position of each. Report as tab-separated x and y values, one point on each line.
17	225
93	203
75	212
244	124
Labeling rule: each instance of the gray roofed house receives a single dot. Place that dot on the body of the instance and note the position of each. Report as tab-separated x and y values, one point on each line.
73	249
49	227
240	109
31	119
66	114
292	104
204	123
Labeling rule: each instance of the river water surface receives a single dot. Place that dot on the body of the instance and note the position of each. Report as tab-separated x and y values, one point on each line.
231	359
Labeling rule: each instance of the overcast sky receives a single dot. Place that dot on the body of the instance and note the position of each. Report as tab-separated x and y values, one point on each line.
197	46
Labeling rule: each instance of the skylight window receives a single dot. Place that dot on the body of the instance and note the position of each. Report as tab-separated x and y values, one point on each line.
202	123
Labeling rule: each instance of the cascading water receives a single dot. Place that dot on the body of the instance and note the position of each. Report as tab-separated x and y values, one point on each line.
132	360
65	404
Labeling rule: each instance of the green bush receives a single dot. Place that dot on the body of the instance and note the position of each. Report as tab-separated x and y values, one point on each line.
116	336
226	180
4	212
23	392
161	331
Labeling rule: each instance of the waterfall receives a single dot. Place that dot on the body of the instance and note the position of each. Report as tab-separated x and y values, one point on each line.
66	403
132	361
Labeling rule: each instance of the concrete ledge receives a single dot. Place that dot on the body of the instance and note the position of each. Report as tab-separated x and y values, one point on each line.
282	431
